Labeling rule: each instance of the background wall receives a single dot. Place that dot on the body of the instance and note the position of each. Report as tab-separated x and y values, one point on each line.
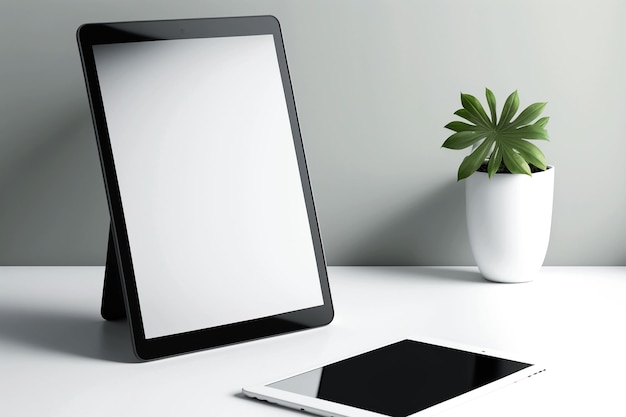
375	82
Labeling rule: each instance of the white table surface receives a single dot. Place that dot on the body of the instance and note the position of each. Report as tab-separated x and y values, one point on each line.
59	358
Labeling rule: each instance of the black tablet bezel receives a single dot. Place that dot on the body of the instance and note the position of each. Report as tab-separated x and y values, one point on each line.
92	34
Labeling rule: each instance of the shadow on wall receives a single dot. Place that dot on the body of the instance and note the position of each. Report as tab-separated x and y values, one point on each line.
54	209
429	231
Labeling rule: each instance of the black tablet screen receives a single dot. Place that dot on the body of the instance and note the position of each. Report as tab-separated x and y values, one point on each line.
401	379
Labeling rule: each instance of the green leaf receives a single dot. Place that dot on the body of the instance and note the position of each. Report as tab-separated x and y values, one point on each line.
468	116
462	140
461	127
506	137
472	105
526	132
510	108
494	161
529	114
473	161
491	100
531	153
542	122
514	162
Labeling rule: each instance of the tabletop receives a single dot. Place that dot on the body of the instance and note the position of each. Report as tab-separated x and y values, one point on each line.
58	357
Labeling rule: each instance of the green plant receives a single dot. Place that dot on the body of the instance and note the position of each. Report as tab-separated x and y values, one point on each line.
504	145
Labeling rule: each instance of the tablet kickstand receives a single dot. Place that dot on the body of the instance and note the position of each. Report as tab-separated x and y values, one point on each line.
113	307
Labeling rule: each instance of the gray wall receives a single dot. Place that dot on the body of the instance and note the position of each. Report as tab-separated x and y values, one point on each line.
374	82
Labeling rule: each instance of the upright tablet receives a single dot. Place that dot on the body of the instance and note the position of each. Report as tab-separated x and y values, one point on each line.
212	217
408	378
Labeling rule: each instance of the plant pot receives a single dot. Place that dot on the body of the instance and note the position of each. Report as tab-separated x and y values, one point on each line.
508	219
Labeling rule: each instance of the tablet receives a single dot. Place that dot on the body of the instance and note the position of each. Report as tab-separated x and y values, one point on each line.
213	224
406	378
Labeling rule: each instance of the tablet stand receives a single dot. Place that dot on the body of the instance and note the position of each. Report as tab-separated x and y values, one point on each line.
113	307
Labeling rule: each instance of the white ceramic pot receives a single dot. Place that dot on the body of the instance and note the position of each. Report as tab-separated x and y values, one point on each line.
508	219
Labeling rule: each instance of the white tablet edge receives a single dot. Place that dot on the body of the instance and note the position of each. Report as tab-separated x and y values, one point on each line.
326	408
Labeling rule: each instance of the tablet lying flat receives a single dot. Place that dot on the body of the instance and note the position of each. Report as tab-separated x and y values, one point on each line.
406	378
212	218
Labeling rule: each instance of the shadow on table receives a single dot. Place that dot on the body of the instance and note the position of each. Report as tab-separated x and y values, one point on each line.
455	274
440	273
68	333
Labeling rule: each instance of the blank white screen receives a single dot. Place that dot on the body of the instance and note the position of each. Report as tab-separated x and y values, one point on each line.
209	182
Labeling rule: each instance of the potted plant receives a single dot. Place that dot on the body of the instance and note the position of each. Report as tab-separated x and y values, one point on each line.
509	186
